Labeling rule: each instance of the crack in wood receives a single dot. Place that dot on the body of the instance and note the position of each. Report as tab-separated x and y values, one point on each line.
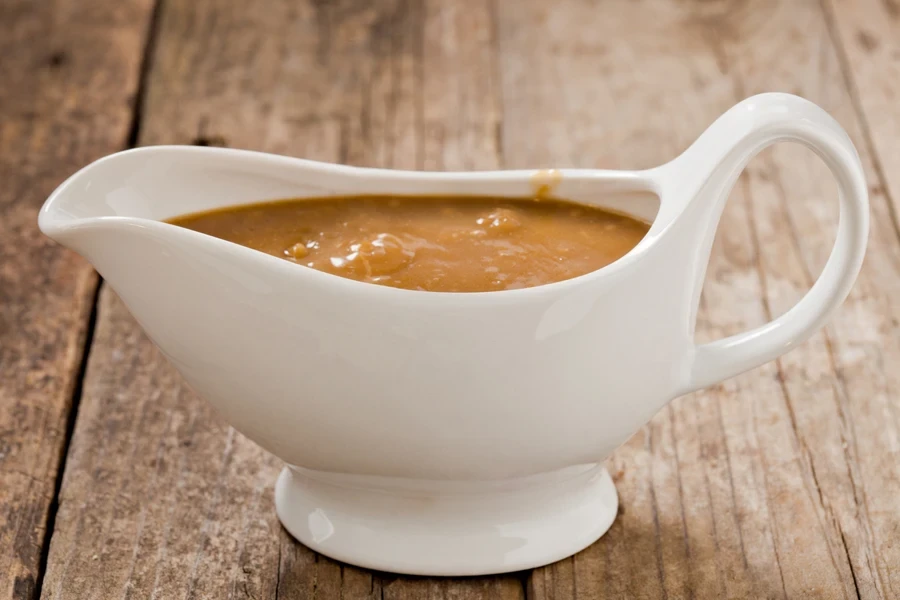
144	72
74	403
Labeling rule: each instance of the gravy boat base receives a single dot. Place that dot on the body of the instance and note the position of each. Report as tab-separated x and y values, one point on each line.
422	527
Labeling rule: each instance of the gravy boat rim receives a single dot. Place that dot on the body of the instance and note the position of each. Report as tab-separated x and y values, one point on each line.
52	225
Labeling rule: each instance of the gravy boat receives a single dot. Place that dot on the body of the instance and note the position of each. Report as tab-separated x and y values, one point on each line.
445	433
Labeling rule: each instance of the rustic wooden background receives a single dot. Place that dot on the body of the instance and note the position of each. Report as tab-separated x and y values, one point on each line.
116	482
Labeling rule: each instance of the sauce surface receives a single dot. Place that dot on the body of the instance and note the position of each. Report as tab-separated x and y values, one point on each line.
438	244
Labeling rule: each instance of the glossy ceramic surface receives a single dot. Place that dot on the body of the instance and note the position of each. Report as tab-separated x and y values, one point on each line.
444	433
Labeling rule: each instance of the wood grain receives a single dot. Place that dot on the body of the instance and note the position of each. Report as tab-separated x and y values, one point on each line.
68	74
781	482
161	499
867	33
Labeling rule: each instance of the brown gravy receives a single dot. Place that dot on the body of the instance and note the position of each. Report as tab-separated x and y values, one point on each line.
452	244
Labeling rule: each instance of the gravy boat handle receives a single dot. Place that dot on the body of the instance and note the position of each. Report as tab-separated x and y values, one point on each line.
703	177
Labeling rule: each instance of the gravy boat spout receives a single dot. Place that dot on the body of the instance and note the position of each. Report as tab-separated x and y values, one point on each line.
443	433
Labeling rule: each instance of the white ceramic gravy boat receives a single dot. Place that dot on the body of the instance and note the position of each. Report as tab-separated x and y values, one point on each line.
433	433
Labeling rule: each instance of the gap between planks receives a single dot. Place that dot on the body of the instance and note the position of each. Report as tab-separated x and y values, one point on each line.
77	391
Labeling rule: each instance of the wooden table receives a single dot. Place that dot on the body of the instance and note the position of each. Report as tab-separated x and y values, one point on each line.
116	482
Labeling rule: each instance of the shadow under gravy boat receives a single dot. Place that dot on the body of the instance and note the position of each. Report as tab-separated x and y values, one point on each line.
445	433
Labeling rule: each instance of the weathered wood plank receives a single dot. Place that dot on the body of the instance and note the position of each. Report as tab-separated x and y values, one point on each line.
782	482
868	36
69	72
161	498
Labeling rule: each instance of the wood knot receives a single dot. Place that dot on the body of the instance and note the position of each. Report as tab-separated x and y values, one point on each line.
57	59
23	587
868	41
